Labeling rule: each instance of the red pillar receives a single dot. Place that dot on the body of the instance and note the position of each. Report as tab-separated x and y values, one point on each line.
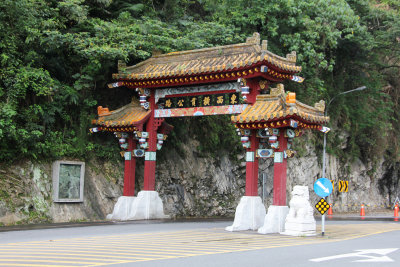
254	85
129	171
252	166
150	156
280	171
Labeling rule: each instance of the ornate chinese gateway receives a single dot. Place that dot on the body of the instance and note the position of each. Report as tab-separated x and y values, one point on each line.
232	79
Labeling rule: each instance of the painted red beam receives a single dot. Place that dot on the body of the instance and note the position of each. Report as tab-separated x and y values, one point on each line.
207	80
115	129
279	123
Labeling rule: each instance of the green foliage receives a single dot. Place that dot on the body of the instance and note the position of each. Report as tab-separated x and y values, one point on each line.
215	135
33	216
57	56
341	45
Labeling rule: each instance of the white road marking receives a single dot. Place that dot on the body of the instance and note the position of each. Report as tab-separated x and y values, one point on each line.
364	254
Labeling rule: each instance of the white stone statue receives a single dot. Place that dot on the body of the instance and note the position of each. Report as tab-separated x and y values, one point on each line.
300	219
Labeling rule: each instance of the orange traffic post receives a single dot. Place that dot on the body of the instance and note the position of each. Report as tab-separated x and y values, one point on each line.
396	210
362	212
330	212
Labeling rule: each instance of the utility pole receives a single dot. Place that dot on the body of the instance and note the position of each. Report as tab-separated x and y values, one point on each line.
324	149
326	114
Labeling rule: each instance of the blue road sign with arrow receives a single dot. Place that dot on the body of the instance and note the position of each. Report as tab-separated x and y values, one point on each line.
323	187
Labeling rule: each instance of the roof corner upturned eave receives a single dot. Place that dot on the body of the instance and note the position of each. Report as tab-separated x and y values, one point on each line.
131	114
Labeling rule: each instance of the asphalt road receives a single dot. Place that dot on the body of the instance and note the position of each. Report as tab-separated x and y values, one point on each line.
199	243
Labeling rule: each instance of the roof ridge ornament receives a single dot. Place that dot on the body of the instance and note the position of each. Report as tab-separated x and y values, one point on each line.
263	84
255	39
103	111
279	90
320	106
292	57
264	45
264	48
291	98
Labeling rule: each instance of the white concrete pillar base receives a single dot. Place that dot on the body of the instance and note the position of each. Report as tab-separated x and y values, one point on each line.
122	209
249	214
274	221
300	226
147	205
301	232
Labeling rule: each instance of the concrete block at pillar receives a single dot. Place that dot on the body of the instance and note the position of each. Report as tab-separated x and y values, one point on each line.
122	209
147	205
274	221
249	214
300	219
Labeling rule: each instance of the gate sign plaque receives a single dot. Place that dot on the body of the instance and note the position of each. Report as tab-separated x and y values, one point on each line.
323	187
212	99
199	111
194	101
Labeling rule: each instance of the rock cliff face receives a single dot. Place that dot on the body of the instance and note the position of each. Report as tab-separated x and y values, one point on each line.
189	185
26	194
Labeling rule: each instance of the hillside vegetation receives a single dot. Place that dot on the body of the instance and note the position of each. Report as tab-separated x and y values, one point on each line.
56	58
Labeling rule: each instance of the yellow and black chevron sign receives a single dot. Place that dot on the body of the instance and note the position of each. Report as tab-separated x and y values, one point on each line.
333	185
343	186
322	206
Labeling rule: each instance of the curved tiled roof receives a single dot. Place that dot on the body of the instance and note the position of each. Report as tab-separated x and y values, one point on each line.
210	60
274	107
129	115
